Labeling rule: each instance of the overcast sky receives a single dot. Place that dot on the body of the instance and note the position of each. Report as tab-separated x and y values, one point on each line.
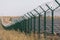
18	7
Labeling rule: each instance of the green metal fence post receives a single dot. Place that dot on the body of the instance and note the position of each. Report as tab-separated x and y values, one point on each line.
21	26
52	19
39	25
44	21
25	24
53	15
30	22
28	25
34	21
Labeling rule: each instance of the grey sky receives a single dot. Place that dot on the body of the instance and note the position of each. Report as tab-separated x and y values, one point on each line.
18	7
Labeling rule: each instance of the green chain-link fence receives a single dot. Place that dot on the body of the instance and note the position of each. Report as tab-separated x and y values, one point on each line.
29	25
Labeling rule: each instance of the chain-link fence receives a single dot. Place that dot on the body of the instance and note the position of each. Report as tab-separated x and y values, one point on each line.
41	20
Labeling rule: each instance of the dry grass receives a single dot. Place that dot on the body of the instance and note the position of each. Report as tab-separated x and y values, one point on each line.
14	35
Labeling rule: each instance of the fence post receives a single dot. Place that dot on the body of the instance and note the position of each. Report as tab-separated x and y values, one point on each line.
39	25
30	22
34	21
52	19
28	25
25	24
21	26
44	21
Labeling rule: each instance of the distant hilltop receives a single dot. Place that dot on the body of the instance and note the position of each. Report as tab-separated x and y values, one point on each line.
9	19
9	16
6	18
